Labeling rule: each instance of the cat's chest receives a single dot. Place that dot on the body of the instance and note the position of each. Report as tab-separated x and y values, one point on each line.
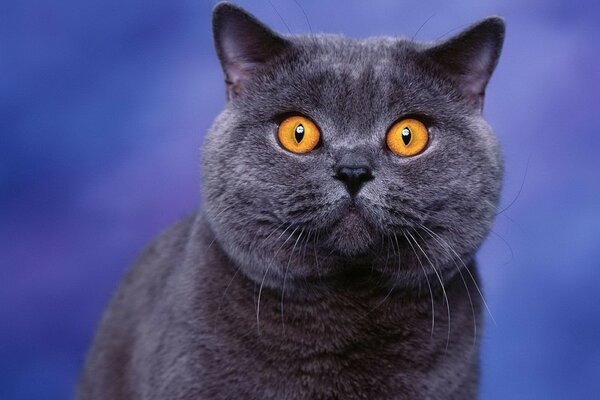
356	345
322	355
376	368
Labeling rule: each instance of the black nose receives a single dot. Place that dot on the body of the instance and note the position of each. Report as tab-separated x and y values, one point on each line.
354	177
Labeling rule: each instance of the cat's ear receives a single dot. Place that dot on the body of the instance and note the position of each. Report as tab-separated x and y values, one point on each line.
471	56
243	44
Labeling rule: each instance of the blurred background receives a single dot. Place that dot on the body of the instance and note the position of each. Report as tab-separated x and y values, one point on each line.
104	105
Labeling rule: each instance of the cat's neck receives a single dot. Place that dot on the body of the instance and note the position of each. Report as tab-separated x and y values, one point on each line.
331	312
328	338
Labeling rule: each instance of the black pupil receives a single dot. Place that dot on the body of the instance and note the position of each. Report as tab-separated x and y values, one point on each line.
406	136
299	133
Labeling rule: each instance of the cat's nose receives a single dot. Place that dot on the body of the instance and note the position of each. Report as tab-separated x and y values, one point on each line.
354	177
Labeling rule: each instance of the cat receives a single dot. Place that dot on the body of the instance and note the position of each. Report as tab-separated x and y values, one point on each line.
347	185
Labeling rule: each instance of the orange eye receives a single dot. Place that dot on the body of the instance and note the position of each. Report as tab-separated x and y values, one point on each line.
298	134
407	137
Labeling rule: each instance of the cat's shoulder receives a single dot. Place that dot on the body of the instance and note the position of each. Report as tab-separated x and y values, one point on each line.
157	261
168	247
172	240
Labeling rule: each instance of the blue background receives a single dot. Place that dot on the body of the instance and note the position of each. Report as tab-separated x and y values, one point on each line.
103	107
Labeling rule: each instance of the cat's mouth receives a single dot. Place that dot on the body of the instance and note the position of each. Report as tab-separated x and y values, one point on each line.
351	232
352	217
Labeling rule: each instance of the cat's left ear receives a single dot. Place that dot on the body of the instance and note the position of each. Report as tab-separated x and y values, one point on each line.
471	57
243	45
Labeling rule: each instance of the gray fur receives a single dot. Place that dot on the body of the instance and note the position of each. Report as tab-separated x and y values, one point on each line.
275	289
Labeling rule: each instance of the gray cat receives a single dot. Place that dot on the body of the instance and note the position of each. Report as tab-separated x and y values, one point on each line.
346	187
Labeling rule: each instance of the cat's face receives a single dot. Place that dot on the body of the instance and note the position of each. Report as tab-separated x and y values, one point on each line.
276	212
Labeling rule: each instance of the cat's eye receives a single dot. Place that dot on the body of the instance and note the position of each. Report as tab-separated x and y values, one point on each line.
408	137
298	134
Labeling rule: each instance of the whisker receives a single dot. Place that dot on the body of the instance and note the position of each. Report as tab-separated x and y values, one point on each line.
421	27
217	216
467	269
520	188
265	276
305	16
285	276
451	30
315	241
395	281
223	298
258	300
512	254
464	283
428	283
279	237
441	284
274	231
397	274
224	210
305	243
496	208
280	17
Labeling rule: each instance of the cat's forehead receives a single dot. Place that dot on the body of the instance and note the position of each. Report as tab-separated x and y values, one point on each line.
381	55
352	81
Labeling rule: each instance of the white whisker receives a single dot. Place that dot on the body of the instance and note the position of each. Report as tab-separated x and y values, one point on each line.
464	283
468	271
441	284
285	276
265	276
395	281
428	284
223	297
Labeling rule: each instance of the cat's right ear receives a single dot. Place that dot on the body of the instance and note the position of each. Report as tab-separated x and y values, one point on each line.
243	44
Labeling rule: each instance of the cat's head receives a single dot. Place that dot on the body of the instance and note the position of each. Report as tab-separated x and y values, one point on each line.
334	153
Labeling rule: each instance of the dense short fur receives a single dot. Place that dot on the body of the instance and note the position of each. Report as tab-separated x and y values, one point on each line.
284	286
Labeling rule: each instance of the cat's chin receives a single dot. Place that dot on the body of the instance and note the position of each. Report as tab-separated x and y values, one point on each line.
352	234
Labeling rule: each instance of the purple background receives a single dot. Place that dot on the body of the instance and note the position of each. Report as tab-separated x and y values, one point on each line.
103	107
